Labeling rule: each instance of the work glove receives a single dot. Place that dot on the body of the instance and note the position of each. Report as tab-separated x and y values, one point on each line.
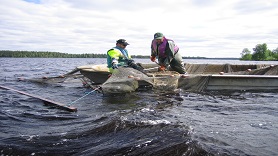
114	63
153	58
114	66
161	68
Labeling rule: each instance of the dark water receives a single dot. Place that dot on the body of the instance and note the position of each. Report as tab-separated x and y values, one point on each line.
140	123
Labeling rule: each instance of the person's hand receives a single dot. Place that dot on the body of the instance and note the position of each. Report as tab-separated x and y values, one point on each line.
114	66
153	58
161	68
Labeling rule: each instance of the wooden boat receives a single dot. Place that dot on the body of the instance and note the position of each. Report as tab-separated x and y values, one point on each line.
98	74
201	77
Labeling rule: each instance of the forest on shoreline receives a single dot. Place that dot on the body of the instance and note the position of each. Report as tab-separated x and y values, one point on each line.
42	54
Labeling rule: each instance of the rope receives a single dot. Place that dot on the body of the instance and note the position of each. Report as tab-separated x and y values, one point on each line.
83	96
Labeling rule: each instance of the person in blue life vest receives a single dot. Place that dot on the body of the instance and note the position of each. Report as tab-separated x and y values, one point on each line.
118	56
167	53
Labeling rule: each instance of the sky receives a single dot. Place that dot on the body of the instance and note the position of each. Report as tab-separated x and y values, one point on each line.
200	28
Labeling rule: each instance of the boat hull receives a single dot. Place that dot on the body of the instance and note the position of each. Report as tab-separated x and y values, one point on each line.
242	82
95	76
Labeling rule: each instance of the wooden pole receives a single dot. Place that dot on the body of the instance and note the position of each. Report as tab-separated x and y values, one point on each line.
46	101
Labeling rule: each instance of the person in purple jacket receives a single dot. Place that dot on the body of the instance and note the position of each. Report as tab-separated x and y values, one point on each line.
167	53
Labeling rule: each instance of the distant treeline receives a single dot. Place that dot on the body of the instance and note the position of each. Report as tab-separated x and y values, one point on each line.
36	54
42	54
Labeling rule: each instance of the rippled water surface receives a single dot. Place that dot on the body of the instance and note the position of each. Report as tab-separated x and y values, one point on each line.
140	123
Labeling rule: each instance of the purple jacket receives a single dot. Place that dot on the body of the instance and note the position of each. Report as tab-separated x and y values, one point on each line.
159	50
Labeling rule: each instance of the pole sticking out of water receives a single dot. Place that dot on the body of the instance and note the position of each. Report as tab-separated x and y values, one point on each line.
46	101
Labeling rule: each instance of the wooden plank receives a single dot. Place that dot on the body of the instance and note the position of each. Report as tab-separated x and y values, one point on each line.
46	101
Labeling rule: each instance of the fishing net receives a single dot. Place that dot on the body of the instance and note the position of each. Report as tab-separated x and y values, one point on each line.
72	75
194	83
200	74
125	79
87	74
217	68
164	80
265	70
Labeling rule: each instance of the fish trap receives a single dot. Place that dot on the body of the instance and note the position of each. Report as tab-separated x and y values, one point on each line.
165	81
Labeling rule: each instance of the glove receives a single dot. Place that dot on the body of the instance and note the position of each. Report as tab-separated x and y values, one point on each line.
114	66
153	58
161	68
114	63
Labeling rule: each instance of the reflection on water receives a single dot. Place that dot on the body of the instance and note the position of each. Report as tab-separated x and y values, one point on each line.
141	123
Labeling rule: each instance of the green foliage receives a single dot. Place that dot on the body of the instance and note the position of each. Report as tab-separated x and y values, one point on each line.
246	54
246	57
275	53
261	53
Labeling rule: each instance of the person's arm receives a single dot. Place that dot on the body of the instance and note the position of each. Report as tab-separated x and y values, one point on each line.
153	52
114	55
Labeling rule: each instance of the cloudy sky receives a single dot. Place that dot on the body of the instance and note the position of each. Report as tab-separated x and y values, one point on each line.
205	28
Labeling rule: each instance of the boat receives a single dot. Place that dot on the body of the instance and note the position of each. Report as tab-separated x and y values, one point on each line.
199	77
97	74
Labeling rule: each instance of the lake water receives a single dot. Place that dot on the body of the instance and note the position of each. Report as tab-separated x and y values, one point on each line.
139	123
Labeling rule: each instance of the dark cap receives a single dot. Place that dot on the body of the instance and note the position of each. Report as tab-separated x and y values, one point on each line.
158	35
123	42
